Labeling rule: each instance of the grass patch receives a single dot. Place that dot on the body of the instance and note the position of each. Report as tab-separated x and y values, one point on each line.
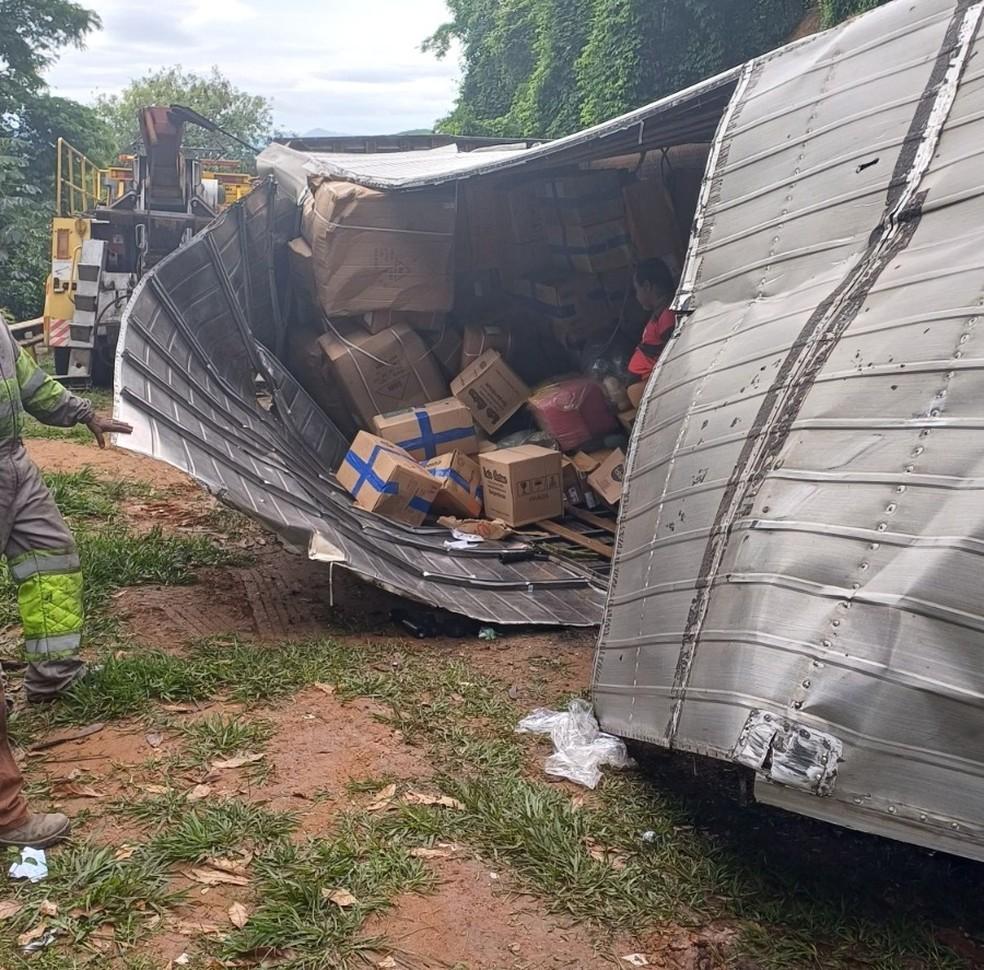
216	736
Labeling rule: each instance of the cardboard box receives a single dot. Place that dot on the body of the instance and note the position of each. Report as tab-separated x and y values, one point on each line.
430	430
491	390
635	392
525	213
584	199
306	361
606	479
383	478
460	479
585	462
382	372
522	485
576	489
300	264
376	321
446	348
591	249
627	419
382	249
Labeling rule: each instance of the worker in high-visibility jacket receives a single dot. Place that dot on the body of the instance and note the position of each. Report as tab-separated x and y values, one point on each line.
43	563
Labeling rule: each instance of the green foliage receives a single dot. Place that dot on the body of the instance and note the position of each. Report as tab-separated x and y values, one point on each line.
549	67
31	33
213	95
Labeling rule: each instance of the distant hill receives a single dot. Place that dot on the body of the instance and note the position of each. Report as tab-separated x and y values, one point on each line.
417	131
322	133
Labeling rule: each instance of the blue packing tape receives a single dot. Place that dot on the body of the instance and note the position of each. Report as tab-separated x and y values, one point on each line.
429	439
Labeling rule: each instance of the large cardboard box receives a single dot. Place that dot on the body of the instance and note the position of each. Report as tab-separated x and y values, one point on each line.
599	248
300	264
382	249
376	321
306	361
381	372
430	430
383	478
445	345
522	485
583	199
491	390
525	213
460	479
606	479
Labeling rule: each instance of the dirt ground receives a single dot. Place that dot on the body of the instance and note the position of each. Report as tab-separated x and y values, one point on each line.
474	919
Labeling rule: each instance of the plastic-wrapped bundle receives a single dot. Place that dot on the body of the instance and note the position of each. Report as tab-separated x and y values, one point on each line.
573	411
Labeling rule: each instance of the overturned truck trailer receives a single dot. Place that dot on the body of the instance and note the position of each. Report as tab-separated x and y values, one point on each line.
796	578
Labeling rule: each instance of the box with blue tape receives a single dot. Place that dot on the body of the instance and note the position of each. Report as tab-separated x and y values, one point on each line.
461	485
383	478
430	430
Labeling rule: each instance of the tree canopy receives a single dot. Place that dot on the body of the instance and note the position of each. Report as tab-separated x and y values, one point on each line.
247	116
31	121
549	67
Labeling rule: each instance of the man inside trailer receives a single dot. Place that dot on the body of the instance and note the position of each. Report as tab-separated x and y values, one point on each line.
654	288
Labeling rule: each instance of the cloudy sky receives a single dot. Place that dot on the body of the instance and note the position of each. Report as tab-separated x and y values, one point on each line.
348	66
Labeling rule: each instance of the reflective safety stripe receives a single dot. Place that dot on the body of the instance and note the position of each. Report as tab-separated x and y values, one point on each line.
48	396
33	563
54	648
32	385
50	605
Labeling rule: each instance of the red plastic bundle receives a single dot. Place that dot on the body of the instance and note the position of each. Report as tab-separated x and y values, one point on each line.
573	411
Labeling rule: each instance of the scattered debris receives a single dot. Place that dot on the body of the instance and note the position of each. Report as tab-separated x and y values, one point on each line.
48	908
425	624
62	737
199	792
442	851
238	867
488	633
648	836
155	789
36	939
580	747
342	898
328	689
383	800
183	960
9	908
444	801
494	530
124	852
217	877
238	915
636	960
154	739
601	853
387	963
71	790
33	866
248	758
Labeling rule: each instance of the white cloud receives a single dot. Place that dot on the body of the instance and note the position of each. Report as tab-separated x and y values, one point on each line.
337	65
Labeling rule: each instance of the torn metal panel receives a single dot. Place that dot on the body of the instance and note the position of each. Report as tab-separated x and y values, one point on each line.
801	528
187	369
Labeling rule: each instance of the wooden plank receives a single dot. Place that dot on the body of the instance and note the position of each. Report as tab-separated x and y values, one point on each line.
555	528
589	518
36	324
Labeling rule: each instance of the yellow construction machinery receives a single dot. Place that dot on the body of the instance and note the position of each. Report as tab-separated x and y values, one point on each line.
112	224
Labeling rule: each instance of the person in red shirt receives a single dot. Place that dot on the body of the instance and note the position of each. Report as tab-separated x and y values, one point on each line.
654	287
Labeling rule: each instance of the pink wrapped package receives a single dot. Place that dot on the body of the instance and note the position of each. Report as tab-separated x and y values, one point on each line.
573	411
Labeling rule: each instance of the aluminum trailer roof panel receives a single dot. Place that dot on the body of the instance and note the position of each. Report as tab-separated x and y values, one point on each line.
799	560
187	367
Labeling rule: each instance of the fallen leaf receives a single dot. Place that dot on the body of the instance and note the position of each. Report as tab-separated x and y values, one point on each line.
445	801
328	689
635	960
31	935
9	907
242	759
79	913
236	866
154	739
74	775
124	852
183	960
177	708
61	737
238	915
382	799
199	792
155	789
216	877
191	928
602	854
71	790
425	853
387	963
342	898
48	908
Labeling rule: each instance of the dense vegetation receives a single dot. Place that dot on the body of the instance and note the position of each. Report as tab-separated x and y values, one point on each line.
550	67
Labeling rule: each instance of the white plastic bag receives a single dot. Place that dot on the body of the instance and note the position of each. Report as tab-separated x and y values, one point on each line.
580	747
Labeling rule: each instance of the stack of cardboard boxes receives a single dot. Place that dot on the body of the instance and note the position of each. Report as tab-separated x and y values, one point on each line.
432	323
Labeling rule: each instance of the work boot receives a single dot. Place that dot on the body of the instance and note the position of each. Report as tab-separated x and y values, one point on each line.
37	831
